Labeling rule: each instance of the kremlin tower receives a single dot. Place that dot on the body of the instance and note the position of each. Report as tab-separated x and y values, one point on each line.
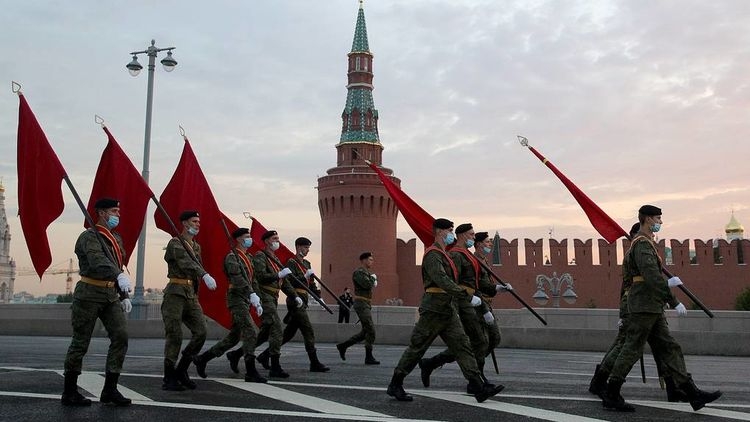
356	211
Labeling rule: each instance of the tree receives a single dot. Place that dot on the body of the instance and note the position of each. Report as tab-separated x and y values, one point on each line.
743	300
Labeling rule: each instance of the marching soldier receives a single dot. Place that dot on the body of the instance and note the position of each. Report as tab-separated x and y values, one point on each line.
180	304
96	297
482	250
272	277
240	296
297	318
475	280
438	317
364	281
646	299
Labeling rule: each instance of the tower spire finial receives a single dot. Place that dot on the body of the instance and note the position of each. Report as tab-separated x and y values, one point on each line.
361	4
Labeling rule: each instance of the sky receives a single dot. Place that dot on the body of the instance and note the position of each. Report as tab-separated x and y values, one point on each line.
637	102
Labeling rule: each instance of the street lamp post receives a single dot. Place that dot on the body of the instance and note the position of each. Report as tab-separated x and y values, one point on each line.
555	285
134	68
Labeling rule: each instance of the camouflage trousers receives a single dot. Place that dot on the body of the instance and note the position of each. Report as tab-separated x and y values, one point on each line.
448	326
270	329
475	328
83	318
493	334
608	362
364	312
243	328
299	320
652	328
175	311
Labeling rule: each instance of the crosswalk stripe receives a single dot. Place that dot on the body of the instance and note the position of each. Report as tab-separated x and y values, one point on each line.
685	407
516	409
298	399
93	384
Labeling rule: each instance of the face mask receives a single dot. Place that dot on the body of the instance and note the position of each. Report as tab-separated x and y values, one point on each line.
486	249
655	227
449	238
113	221
246	243
192	231
469	243
275	246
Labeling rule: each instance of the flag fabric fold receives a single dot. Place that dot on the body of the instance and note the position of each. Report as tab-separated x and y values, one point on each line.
418	219
40	176
604	224
189	190
117	177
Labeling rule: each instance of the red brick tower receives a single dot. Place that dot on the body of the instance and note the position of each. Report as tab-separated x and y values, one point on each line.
357	213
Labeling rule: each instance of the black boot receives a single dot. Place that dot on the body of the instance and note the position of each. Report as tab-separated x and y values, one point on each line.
276	371
674	394
263	359
170	378
182	374
612	399
252	374
369	358
110	393
315	365
70	395
484	390
396	388
697	397
342	348
426	367
598	384
234	360
200	362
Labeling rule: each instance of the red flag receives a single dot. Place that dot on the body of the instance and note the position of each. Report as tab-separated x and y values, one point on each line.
419	220
188	190
40	175
117	178
606	226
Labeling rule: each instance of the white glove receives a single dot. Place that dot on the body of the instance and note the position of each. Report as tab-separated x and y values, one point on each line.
309	273
489	318
258	309
681	310
254	299
619	323
298	300
475	301
674	282
210	282
285	272
123	282
501	289
126	305
374	280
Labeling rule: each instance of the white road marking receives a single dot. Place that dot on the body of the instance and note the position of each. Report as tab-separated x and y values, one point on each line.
579	374
93	383
685	407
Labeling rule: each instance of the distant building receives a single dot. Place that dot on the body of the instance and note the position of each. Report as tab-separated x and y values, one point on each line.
7	264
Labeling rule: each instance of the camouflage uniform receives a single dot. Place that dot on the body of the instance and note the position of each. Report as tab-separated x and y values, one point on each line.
438	317
91	302
488	292
180	304
267	269
298	318
363	285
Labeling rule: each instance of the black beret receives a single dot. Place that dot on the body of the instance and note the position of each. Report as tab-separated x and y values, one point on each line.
302	241
106	203
187	215
649	210
442	224
268	234
365	255
635	229
481	236
240	232
463	228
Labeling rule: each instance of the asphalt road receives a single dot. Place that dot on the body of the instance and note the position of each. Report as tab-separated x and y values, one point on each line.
540	385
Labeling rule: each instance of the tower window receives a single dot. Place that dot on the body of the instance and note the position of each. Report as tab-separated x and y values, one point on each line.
356	61
354	154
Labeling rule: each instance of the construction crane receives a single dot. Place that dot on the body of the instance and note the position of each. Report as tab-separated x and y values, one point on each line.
52	271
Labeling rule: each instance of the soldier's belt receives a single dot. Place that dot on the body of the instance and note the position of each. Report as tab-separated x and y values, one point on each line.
638	279
232	286
270	289
366	299
181	281
98	283
302	291
468	289
435	290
